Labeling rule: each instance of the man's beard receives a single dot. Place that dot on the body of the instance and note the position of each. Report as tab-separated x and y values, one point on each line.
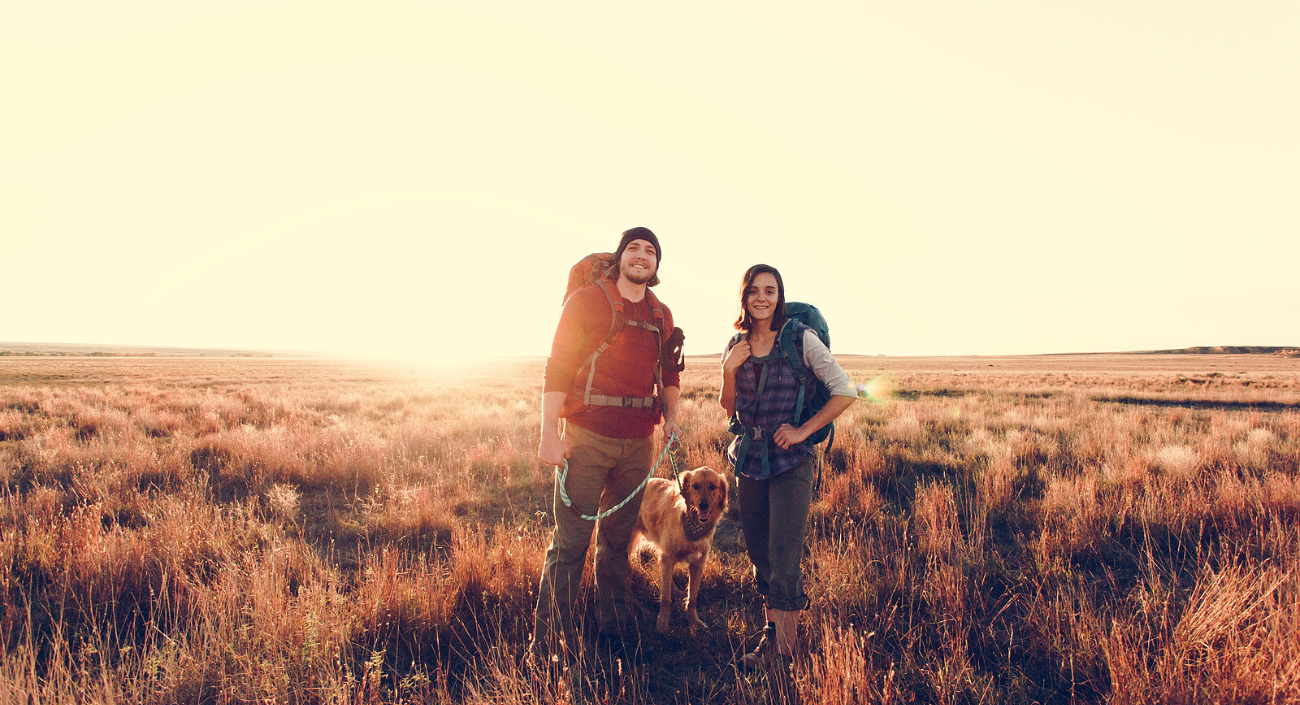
637	279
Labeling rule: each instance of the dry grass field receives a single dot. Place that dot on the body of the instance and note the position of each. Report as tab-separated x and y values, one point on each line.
1053	529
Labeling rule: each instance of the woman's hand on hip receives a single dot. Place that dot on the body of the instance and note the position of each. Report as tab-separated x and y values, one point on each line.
788	435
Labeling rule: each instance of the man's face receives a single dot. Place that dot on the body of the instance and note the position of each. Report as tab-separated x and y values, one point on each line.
639	263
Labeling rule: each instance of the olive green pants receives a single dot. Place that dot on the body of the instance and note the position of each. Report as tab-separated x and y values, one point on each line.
602	471
773	514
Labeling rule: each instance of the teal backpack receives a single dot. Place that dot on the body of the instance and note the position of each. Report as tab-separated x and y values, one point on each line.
807	314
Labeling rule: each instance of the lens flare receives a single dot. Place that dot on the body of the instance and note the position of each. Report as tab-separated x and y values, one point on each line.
879	390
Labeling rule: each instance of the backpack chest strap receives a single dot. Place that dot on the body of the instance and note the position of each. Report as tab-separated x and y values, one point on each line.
644	326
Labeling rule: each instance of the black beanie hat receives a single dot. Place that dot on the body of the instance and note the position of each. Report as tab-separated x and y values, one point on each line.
639	234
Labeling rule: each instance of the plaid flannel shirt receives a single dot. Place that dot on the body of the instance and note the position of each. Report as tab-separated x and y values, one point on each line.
766	412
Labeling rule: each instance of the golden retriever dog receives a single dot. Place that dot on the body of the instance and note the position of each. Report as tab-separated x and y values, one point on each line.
678	524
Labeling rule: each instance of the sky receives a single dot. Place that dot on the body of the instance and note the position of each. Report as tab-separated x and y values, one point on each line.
415	179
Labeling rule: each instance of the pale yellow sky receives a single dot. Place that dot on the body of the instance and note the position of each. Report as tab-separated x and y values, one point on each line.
416	178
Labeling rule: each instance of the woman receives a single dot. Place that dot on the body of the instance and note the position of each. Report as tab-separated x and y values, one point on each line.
774	464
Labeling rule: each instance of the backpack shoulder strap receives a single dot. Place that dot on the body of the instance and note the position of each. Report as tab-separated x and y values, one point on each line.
661	337
617	319
656	325
656	308
791	341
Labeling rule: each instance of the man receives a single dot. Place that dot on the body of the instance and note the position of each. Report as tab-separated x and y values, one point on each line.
609	423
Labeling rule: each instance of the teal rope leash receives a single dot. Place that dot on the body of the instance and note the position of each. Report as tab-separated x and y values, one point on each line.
563	472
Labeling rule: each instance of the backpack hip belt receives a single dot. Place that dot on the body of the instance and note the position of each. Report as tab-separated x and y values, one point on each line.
624	402
747	435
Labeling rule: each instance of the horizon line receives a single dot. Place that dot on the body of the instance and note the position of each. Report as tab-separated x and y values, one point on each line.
54	349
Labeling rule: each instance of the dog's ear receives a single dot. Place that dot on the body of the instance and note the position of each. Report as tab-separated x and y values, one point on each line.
724	486
686	477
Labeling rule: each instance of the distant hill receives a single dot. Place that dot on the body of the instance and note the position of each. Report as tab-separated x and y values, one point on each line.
89	350
1228	350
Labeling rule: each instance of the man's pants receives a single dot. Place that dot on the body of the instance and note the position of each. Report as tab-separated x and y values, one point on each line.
602	472
773	514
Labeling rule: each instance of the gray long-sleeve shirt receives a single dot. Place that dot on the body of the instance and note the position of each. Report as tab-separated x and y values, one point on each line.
818	357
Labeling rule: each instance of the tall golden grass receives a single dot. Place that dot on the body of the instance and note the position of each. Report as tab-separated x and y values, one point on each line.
1006	530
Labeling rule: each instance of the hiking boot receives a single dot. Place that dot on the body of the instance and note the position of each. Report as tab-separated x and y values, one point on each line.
765	653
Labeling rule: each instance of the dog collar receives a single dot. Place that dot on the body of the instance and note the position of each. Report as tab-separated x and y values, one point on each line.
694	528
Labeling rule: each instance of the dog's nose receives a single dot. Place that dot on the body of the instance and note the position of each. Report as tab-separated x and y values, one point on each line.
704	506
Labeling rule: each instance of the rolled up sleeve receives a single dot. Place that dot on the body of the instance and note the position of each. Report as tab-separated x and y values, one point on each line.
818	357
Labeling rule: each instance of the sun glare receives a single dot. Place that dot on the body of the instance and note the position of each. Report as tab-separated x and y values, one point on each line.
879	390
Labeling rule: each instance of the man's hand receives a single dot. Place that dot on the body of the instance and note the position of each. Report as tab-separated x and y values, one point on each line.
788	435
736	356
670	427
552	450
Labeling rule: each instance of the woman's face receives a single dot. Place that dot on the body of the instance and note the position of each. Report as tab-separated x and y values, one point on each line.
760	300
